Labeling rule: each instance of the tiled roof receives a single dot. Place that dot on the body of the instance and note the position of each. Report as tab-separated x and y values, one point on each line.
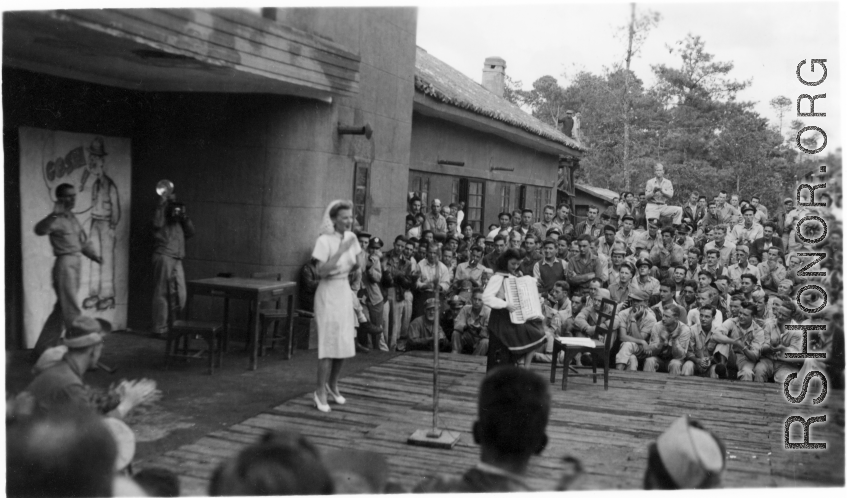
441	82
600	192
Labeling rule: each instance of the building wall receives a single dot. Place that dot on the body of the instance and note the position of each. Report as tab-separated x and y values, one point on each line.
434	139
255	171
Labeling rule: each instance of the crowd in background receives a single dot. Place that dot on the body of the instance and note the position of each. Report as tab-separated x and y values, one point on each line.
726	269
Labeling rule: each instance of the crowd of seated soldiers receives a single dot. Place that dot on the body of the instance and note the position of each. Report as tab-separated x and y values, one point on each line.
710	296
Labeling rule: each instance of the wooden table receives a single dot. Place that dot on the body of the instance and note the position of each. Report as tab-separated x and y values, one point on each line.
250	289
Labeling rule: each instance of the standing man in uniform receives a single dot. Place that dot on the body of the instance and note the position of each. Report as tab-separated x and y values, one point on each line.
105	215
171	226
657	194
68	240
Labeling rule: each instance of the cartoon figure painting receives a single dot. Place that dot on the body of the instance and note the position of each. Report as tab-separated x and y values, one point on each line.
97	168
105	215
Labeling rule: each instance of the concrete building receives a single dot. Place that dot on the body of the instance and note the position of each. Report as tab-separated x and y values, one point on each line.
260	118
240	109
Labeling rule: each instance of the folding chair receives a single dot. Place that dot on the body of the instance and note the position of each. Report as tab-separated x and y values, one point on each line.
605	325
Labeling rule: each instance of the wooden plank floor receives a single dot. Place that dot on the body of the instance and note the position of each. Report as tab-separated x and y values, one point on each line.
609	431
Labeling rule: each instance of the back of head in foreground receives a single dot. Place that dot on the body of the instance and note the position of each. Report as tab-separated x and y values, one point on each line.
685	456
282	463
62	453
514	407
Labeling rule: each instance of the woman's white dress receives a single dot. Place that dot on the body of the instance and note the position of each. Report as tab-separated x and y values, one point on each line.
334	313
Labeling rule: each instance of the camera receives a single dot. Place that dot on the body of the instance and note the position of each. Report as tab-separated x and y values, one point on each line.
176	211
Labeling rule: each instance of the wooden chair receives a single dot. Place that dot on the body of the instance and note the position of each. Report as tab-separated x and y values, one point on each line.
183	331
274	316
605	324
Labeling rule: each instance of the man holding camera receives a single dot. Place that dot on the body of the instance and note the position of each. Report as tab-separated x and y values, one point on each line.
171	226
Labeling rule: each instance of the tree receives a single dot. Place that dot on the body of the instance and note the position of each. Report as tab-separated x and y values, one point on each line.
546	99
636	36
512	91
781	105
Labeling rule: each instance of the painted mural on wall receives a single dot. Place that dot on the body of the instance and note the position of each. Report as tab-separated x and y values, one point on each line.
99	169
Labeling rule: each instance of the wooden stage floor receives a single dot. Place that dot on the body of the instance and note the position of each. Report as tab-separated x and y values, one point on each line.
609	431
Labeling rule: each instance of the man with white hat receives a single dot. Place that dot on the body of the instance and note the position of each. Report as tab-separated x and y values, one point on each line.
685	456
60	384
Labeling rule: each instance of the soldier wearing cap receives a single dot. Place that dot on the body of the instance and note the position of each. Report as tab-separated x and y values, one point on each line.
658	193
470	328
421	332
554	233
59	384
649	238
683	237
634	327
748	231
685	456
645	280
616	260
453	226
371	289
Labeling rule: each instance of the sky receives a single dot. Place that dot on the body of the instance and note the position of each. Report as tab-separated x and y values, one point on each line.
765	41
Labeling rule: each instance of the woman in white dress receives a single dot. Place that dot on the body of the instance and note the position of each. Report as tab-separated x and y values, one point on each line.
335	252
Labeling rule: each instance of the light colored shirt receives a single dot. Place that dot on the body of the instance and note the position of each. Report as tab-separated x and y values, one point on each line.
646	241
742	234
437	223
727	214
664	257
474	273
651	286
475	323
727	251
694	317
638	329
770	279
66	235
666	190
433	273
753	336
736	271
661	338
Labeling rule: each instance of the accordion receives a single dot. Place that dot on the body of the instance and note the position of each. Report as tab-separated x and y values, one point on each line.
523	293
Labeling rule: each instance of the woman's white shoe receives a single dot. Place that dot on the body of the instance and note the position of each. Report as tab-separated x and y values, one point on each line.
338	398
320	406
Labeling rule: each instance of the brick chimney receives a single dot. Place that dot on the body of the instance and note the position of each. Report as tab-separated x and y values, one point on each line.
494	75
